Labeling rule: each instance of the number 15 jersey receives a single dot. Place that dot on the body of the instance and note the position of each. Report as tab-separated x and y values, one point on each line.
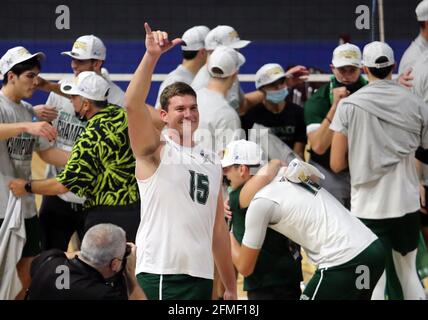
178	208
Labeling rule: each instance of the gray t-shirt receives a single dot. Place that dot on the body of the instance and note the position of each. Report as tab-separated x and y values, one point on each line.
219	124
68	125
413	53
234	95
16	153
179	74
116	95
420	88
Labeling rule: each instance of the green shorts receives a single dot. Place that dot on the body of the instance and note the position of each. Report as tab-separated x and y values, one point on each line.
175	287
32	245
353	280
400	234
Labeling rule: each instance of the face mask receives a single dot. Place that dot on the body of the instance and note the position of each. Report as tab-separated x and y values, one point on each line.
277	96
77	114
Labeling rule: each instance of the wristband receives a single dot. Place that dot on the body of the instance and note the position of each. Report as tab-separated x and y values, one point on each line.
27	187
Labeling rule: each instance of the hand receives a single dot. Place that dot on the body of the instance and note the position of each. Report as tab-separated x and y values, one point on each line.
157	41
296	75
339	93
42	129
45	112
423	208
17	186
43	84
405	79
227	213
131	260
230	295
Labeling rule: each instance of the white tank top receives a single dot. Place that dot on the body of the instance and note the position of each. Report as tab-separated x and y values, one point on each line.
178	208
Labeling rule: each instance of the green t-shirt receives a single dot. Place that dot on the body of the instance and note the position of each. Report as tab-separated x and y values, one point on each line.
275	265
317	107
101	166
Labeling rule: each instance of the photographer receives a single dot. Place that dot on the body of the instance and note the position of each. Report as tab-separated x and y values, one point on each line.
104	266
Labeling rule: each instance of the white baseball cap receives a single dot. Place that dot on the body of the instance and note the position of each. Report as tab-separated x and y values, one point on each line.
422	11
269	73
87	47
346	55
228	60
89	85
17	55
375	50
226	36
242	152
194	38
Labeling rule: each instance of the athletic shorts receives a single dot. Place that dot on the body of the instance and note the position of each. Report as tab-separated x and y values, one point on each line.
401	234
353	280
32	245
175	287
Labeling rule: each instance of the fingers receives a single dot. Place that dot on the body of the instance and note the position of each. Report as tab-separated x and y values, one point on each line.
161	37
147	28
17	187
176	41
48	131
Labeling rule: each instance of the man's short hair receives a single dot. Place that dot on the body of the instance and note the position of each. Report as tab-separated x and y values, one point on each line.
20	68
189	55
381	73
102	243
99	104
175	89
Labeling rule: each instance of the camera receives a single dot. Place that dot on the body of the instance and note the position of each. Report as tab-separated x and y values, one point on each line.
128	250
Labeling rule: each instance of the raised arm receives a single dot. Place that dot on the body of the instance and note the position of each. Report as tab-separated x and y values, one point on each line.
320	139
145	138
263	177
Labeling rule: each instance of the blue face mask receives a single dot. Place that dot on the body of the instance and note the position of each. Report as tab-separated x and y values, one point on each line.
277	96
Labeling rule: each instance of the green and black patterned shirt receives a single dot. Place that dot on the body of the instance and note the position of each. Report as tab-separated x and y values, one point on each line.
101	166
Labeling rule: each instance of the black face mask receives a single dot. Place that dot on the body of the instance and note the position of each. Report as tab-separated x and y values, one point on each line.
226	181
77	114
353	86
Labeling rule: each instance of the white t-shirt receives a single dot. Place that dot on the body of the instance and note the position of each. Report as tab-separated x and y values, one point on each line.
16	153
115	95
420	88
219	124
413	53
178	209
179	74
69	128
420	77
326	230
234	95
394	194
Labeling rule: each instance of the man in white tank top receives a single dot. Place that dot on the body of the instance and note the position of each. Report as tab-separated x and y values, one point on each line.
349	257
182	230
